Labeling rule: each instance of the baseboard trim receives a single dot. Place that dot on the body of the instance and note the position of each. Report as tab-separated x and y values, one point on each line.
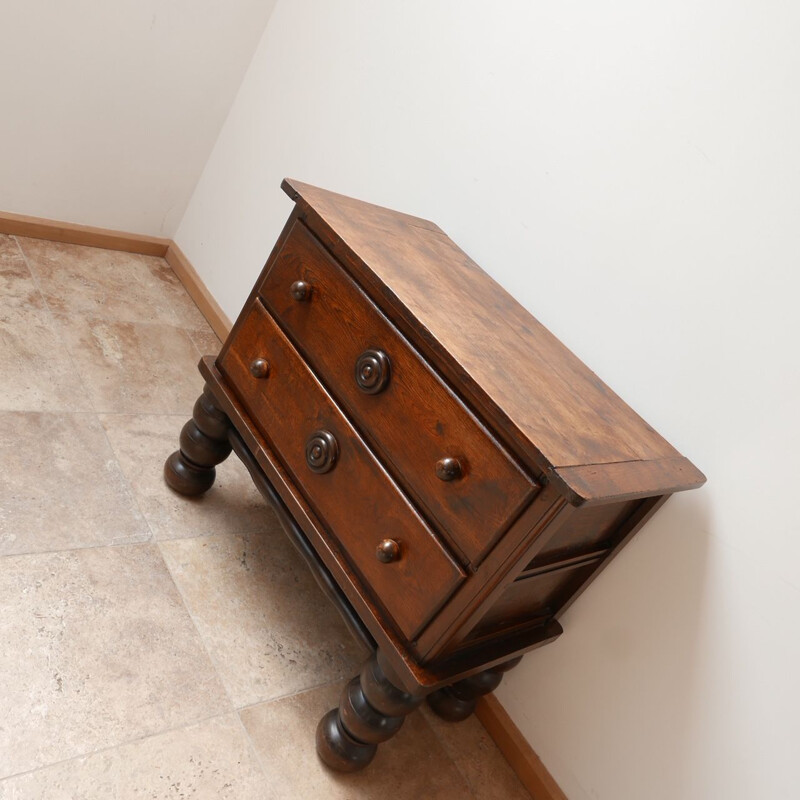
198	291
520	755
71	233
89	236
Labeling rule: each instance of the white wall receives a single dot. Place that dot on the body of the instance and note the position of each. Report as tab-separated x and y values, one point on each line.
630	171
109	110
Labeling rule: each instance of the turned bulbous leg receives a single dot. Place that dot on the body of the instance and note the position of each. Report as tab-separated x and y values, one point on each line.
203	444
371	710
457	702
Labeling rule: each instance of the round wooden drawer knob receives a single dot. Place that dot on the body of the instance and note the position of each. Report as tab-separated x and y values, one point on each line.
372	371
259	368
388	551
301	291
448	469
322	450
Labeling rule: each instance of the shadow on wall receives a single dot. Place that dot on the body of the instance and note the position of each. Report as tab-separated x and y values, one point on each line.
616	692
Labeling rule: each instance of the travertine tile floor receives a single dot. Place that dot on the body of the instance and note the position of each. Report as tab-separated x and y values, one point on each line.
153	646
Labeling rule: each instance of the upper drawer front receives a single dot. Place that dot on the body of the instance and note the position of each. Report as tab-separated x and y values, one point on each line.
355	498
413	419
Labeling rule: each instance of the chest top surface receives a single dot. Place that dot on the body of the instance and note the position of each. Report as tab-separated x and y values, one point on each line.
549	407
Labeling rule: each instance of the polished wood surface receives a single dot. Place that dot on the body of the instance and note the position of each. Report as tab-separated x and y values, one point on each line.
530	386
472	507
452	524
291	407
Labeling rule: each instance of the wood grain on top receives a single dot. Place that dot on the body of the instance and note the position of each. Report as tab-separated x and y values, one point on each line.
527	383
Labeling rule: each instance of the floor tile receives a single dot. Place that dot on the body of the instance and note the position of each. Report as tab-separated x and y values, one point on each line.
61	486
210	760
160	276
133	367
205	340
109	284
96	649
17	286
267	625
486	771
37	373
232	505
410	766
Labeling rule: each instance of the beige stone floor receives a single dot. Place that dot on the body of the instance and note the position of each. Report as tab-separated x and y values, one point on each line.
153	646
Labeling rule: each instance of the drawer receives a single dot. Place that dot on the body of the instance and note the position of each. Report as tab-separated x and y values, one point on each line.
449	463
356	499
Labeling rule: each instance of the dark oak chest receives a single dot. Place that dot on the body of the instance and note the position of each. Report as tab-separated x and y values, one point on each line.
453	474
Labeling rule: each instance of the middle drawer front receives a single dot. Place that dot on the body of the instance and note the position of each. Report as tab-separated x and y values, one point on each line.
350	491
449	462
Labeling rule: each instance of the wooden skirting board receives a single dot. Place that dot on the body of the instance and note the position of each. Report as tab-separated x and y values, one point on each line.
523	760
533	775
198	291
38	228
71	233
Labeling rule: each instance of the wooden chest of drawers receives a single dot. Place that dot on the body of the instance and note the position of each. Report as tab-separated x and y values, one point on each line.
453	475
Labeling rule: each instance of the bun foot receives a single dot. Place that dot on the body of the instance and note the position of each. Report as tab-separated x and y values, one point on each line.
337	749
447	706
186	478
204	443
455	703
371	710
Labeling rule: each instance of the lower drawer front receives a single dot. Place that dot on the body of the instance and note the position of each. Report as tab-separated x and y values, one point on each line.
350	491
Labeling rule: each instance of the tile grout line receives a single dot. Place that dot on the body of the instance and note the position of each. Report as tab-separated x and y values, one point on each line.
128	489
287	695
134	543
252	747
127	483
124	743
174	321
53	324
129	486
215	666
158	544
178	414
212	660
263	702
237	709
131	497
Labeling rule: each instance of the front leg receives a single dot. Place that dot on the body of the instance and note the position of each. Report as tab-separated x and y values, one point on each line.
371	710
204	443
